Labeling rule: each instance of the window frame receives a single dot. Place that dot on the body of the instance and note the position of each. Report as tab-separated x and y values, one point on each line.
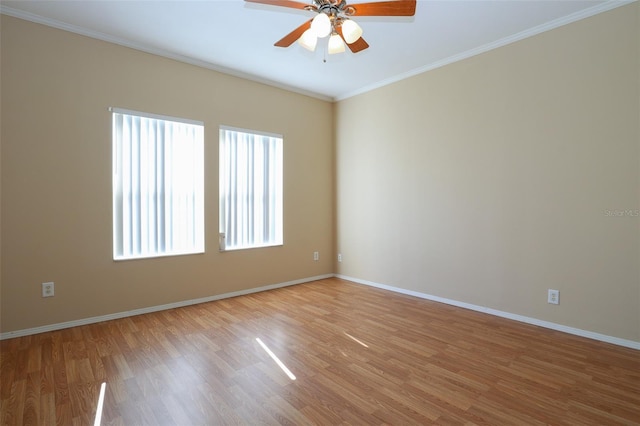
199	247
279	240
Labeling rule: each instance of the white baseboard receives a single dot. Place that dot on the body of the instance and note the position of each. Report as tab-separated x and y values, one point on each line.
93	320
534	321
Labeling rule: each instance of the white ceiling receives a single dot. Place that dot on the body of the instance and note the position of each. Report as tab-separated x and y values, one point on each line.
237	37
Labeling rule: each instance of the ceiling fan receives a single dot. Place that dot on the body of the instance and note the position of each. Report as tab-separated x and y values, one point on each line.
334	18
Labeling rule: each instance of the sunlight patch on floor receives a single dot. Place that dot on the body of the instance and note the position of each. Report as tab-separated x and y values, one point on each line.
356	340
276	359
98	419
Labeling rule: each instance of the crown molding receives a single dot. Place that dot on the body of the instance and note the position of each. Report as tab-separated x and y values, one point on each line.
27	16
577	16
574	17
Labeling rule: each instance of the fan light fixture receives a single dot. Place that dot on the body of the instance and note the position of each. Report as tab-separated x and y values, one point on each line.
335	44
321	25
333	17
351	31
308	40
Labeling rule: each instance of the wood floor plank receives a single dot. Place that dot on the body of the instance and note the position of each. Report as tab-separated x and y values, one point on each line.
47	409
360	355
17	401
8	362
220	399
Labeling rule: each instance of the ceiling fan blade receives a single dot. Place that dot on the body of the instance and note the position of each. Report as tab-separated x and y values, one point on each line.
283	3
357	45
294	35
385	8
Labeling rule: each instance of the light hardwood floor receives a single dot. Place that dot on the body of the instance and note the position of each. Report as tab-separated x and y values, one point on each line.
360	356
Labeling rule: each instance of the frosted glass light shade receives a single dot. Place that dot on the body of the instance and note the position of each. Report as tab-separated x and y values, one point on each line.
336	45
308	40
321	25
351	31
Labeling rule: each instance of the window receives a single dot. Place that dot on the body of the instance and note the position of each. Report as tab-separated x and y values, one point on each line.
250	189
158	185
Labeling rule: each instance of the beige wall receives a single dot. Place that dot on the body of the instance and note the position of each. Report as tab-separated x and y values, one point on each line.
487	181
56	177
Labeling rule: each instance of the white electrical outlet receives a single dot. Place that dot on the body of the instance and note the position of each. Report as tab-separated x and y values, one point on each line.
553	297
339	257
316	256
48	289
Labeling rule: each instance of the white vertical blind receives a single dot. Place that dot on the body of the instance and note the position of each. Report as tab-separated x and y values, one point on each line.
158	186
250	189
